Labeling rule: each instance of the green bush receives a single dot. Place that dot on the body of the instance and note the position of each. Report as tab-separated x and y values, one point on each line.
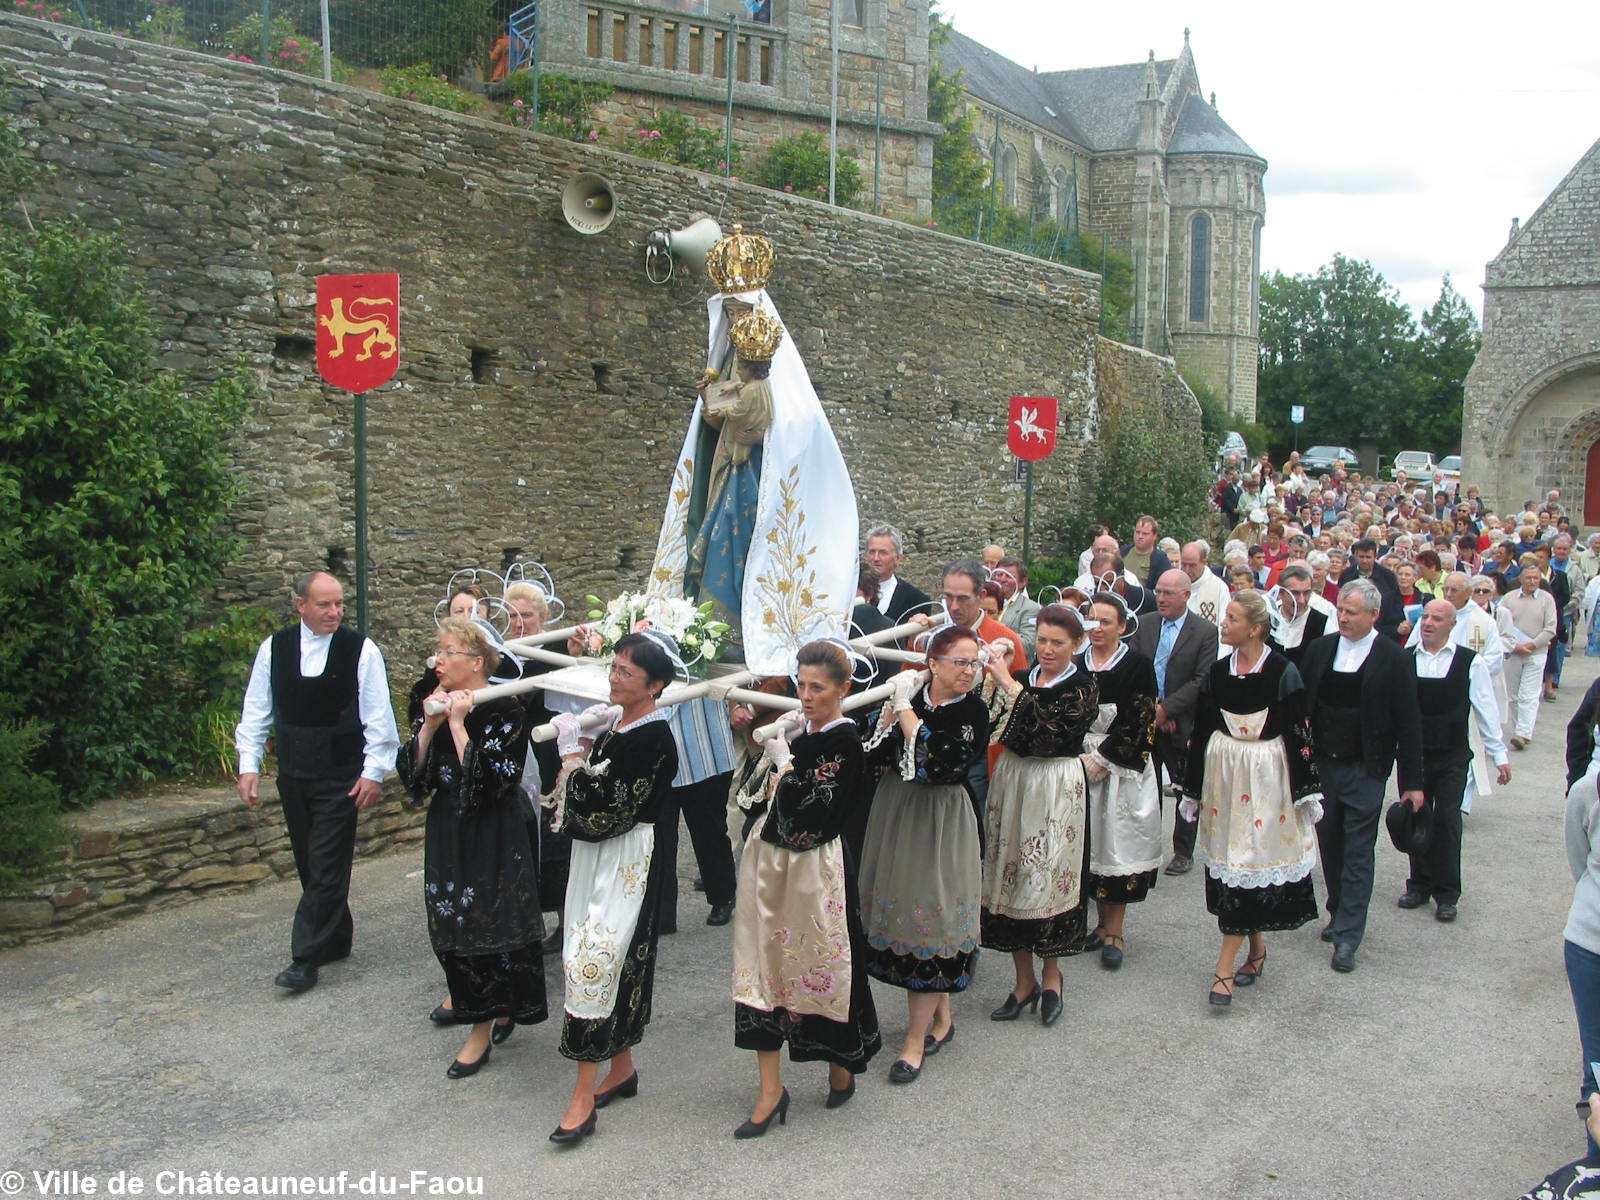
566	105
799	164
116	485
422	84
672	137
448	35
31	828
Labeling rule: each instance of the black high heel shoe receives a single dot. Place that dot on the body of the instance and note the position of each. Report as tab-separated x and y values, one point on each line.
460	1070
442	1015
755	1129
839	1097
1244	977
626	1090
1012	1008
1050	1007
1220	999
501	1031
566	1137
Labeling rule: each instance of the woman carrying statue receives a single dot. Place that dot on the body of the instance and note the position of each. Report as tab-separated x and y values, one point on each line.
921	868
480	876
798	971
1036	853
607	798
1125	804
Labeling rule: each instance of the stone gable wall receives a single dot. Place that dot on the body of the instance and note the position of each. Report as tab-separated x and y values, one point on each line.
545	385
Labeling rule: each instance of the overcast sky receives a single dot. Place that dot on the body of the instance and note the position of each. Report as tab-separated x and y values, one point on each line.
1405	133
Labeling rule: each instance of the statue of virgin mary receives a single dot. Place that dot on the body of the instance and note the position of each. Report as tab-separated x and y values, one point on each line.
761	518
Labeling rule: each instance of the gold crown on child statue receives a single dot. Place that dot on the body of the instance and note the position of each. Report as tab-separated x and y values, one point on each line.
756	336
740	262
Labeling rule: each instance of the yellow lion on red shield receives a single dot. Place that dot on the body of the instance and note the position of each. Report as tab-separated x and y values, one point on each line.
376	328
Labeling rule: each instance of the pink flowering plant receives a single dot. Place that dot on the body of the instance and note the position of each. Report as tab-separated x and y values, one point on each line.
673	137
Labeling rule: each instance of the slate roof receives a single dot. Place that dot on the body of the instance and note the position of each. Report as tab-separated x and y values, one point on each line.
1009	86
1104	101
1201	130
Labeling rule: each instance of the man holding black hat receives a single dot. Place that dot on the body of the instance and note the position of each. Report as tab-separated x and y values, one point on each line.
1453	685
1361	694
323	689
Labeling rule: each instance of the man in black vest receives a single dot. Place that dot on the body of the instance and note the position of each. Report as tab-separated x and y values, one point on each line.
1453	685
1362	696
323	690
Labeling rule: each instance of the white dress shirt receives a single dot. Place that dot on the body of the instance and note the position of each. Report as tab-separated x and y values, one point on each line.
372	684
885	590
1350	656
1436	665
1477	631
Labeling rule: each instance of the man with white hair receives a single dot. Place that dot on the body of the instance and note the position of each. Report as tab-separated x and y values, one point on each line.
1361	696
885	550
1208	594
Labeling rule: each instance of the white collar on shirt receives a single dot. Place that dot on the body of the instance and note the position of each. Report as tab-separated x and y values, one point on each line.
1233	662
306	635
1088	657
841	720
1448	650
1036	680
885	591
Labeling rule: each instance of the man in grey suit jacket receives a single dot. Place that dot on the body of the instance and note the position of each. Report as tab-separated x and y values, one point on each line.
1183	647
1021	611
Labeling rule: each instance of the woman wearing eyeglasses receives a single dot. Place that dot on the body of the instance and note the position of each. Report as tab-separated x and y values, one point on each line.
921	866
480	876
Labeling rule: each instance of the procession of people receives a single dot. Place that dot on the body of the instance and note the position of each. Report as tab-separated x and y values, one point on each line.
1011	768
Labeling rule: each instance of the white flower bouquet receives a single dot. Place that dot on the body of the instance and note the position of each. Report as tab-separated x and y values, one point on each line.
700	638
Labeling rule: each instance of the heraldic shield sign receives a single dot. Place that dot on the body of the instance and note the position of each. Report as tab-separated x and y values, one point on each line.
358	330
1031	435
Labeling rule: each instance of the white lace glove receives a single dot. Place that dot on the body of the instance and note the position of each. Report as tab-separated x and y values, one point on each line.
903	687
1310	805
1189	808
598	718
776	749
569	733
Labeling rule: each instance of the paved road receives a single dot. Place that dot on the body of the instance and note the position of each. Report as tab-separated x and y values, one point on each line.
1446	1063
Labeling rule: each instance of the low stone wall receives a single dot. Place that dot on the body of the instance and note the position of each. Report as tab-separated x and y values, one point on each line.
130	856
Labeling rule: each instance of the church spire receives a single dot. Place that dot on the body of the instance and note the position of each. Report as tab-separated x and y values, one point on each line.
1150	77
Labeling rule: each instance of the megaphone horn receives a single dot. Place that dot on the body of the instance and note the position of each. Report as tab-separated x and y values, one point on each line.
589	204
686	247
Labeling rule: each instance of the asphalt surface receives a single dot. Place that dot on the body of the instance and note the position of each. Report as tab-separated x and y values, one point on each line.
1447	1063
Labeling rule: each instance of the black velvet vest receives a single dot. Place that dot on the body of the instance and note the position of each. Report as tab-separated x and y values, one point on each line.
1336	725
318	720
1446	706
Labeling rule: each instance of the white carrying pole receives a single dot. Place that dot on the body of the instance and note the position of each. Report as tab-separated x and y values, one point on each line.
518	645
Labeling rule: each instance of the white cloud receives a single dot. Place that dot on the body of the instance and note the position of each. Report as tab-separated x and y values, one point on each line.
1409	135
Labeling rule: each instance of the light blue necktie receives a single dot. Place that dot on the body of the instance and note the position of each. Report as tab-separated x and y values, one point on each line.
1169	634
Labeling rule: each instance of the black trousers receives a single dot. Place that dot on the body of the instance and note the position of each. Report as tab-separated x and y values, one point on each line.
321	816
1171	757
1436	872
705	810
1347	835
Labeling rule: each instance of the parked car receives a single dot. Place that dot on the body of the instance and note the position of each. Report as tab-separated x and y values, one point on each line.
1233	447
1320	460
1450	467
1417	464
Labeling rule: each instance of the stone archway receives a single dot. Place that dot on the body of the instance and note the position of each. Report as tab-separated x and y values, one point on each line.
1573	465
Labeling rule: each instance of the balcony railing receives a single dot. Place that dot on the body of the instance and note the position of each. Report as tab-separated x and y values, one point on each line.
664	39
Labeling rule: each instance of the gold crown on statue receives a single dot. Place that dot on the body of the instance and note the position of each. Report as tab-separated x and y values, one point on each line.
756	336
740	262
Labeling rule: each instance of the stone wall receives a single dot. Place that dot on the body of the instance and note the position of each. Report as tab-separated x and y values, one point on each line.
1532	405
1149	382
132	856
545	385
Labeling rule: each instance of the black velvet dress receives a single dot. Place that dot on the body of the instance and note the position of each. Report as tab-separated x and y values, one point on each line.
1251	771
480	879
614	887
922	869
555	849
797	928
1125	819
1036	853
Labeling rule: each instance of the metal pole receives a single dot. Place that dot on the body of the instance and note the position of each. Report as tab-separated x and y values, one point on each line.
361	513
733	60
266	31
1102	285
327	46
877	147
1027	512
533	66
833	101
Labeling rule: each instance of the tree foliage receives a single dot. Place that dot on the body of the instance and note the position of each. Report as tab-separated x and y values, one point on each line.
1342	343
116	485
799	164
960	175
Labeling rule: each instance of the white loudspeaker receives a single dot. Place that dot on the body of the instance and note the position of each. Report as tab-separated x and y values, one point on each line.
686	247
589	204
